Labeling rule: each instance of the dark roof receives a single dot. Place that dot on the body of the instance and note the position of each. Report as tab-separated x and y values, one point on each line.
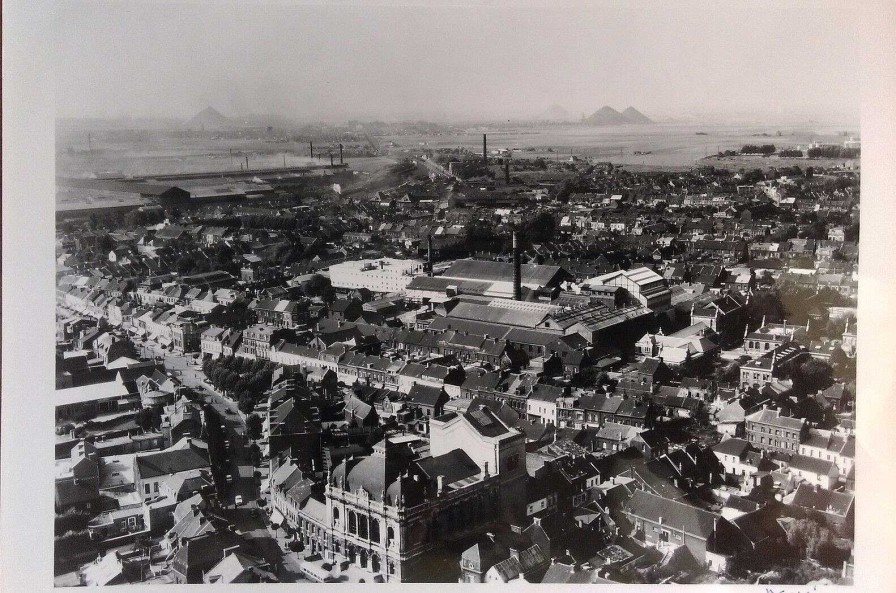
426	395
485	421
821	499
490	271
735	447
811	464
169	462
69	493
759	525
677	515
454	465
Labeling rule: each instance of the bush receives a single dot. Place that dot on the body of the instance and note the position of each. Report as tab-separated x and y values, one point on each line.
71	520
72	544
830	555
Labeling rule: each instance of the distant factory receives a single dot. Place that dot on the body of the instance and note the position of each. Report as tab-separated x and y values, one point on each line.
80	196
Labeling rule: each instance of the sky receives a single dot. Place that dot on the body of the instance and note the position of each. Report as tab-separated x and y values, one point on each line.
462	60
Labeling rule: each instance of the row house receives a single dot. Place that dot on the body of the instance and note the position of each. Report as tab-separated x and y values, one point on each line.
830	446
767	250
767	338
257	341
510	388
470	348
156	325
289	354
451	378
768	430
741	461
771	365
186	336
541	405
120	313
201	300
372	370
818	472
280	313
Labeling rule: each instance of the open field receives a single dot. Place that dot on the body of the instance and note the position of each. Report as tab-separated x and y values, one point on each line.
145	153
668	145
735	163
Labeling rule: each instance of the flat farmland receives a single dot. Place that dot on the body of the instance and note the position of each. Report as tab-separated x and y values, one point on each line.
146	153
650	146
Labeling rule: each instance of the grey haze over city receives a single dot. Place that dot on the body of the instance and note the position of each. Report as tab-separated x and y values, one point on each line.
505	292
768	61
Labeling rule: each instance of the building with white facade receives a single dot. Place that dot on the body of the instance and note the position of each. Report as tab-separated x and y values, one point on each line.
377	275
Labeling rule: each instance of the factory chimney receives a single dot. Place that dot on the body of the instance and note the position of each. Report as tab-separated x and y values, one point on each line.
429	255
484	149
311	145
517	272
507	171
340	154
331	159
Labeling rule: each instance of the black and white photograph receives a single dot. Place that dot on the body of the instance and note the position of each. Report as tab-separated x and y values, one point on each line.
450	292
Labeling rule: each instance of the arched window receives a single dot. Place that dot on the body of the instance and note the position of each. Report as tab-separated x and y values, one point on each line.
390	536
352	522
362	527
374	530
335	515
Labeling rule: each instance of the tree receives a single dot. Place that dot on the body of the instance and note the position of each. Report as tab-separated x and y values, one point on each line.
729	373
246	403
319	286
230	380
541	228
143	418
813	375
254	427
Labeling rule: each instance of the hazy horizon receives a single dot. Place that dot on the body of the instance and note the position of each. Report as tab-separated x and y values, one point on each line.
763	62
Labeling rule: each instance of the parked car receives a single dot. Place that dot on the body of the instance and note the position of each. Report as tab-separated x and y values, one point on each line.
237	500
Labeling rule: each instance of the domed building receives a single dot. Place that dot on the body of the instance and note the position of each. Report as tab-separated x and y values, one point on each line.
391	511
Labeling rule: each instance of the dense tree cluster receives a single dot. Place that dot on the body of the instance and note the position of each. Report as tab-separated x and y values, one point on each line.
764	149
240	378
833	152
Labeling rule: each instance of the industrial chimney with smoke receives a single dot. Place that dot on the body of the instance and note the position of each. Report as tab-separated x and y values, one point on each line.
517	269
484	149
340	154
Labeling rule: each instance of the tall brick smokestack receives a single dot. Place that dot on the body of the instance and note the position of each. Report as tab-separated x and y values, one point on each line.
484	149
517	270
429	254
507	171
331	159
340	154
311	145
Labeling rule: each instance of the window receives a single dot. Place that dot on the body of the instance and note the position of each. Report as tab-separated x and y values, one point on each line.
352	522
362	527
146	488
